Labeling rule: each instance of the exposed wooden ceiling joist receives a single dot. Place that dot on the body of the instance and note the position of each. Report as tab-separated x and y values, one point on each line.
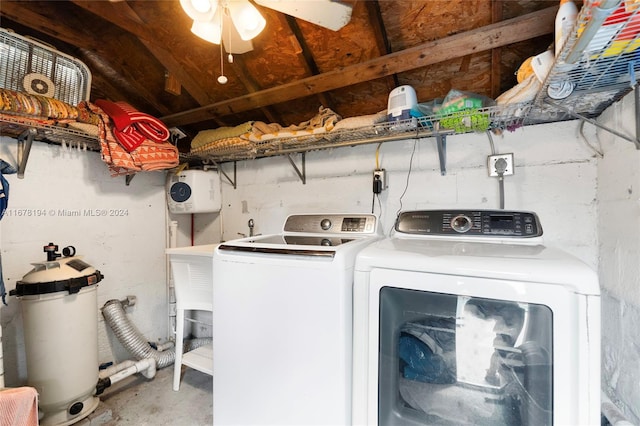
485	38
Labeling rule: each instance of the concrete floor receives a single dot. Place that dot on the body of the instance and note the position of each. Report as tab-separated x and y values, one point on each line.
139	401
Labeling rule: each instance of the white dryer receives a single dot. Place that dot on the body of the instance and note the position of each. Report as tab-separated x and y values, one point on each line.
282	322
465	317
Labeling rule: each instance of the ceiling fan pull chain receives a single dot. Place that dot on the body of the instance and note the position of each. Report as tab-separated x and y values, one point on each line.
222	79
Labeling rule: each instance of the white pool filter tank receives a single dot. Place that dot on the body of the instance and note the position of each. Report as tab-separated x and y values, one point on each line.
58	299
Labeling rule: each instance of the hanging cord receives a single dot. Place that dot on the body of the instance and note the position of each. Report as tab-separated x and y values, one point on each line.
222	79
501	167
373	200
598	152
413	151
493	148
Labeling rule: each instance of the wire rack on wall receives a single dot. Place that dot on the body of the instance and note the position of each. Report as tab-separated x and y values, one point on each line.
597	64
507	117
15	126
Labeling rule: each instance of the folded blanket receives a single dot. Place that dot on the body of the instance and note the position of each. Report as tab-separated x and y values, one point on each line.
226	146
147	156
322	122
131	127
361	121
207	136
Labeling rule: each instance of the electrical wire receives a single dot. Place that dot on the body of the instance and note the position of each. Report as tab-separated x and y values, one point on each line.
378	156
500	166
493	148
413	151
501	188
596	151
373	200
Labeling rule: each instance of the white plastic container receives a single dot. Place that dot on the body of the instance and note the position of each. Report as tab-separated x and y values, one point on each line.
565	21
194	191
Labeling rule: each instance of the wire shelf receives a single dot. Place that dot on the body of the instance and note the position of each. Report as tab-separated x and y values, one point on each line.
507	117
14	126
598	63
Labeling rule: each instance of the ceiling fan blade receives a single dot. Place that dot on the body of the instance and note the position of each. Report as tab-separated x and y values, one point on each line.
231	39
325	13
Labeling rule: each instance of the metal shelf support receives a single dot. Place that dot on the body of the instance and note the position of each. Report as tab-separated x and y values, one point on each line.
234	181
603	127
302	174
441	141
25	140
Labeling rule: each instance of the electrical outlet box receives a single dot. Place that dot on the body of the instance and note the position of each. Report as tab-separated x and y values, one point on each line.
177	133
500	162
379	180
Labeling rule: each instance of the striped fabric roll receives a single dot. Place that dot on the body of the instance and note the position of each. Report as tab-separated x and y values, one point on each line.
132	127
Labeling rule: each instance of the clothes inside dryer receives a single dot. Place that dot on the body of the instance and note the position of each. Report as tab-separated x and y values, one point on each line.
463	360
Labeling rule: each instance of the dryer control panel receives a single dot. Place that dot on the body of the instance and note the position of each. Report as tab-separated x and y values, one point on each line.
501	223
331	223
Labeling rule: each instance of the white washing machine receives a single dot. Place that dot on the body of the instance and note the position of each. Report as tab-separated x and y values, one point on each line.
466	318
282	322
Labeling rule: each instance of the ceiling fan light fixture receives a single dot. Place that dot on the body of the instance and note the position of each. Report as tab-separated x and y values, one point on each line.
209	31
246	18
200	10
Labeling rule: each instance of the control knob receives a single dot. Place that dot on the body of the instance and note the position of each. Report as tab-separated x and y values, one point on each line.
325	224
461	223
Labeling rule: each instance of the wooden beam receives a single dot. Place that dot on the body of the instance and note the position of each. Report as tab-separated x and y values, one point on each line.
123	16
478	40
240	70
380	33
306	57
83	39
175	68
496	54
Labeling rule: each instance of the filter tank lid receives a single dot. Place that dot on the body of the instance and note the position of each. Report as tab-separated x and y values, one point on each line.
66	274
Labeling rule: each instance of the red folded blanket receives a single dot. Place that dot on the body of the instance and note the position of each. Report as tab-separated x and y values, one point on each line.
132	127
149	155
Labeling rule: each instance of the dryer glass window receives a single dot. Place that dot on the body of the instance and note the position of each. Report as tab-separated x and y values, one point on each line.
451	360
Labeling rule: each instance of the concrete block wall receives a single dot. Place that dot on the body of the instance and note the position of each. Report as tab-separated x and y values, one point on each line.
555	176
619	251
68	197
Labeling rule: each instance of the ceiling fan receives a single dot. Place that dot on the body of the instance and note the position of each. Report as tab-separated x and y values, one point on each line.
329	14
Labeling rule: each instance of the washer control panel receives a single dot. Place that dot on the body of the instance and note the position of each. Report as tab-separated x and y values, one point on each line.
331	224
501	223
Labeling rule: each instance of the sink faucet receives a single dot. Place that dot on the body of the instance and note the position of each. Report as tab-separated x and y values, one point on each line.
251	225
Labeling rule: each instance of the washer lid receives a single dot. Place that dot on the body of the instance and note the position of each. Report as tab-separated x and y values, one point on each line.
65	274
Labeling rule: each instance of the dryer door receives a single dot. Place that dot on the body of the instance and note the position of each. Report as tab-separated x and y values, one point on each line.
452	359
452	350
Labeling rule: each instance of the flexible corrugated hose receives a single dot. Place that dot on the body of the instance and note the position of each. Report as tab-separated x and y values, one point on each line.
129	336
